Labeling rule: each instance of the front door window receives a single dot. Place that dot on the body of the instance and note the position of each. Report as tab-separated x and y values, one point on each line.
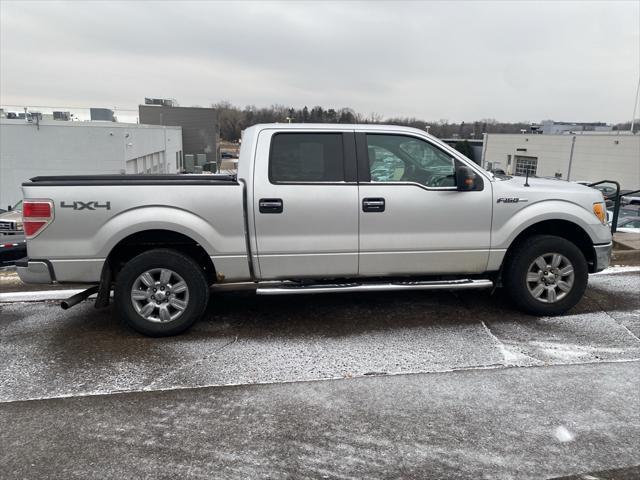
399	158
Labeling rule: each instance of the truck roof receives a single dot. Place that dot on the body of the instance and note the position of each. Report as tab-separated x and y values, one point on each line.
337	126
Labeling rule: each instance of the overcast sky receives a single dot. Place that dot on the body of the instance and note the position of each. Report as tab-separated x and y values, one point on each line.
455	60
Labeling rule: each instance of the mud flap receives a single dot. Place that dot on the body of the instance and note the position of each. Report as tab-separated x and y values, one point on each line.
104	290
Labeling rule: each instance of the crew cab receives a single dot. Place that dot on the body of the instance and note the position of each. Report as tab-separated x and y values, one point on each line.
315	209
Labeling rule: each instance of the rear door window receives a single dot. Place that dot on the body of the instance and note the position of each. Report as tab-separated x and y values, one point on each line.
306	157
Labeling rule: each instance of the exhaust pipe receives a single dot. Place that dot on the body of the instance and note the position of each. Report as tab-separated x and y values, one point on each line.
78	297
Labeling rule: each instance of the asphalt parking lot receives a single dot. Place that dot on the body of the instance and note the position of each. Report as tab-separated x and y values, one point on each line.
411	385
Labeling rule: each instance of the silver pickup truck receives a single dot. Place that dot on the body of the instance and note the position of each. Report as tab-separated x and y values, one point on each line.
314	209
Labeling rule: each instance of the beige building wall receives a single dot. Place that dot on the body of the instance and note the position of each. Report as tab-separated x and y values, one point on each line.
595	157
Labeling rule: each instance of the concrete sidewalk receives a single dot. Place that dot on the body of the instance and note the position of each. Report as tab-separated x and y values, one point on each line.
626	241
535	422
626	249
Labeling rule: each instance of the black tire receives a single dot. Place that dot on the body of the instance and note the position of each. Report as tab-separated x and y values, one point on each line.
184	269
518	266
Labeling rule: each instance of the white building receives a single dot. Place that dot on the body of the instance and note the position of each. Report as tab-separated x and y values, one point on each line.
549	127
586	157
53	147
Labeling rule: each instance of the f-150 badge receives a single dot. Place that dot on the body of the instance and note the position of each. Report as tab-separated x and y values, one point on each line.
511	200
78	205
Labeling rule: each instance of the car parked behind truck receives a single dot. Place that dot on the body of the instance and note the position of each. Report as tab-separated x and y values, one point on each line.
12	242
306	214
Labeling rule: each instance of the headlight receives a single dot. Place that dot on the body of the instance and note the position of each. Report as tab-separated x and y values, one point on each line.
19	226
600	212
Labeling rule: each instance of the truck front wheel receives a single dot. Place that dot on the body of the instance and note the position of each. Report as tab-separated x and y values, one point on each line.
161	293
546	275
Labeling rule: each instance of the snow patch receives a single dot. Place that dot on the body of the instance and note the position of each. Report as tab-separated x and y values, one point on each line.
39	296
618	269
563	435
509	357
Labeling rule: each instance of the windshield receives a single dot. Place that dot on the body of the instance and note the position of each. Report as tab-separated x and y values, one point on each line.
18	206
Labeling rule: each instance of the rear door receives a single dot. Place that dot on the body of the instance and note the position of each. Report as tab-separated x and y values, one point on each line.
412	218
306	204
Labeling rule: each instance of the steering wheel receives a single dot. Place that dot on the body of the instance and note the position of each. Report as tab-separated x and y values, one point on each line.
408	174
437	180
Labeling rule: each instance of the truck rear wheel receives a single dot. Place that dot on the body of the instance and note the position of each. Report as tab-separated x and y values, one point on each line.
546	275
161	293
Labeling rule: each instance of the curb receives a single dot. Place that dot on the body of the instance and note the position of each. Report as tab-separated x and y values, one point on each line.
625	257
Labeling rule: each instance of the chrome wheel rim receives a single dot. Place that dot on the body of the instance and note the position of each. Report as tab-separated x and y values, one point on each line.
550	277
160	295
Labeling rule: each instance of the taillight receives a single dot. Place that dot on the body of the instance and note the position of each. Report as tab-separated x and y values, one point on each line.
36	209
36	215
31	229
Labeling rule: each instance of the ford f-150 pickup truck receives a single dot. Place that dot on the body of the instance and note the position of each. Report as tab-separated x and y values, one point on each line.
314	209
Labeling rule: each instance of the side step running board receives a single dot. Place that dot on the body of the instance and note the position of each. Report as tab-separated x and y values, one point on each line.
290	289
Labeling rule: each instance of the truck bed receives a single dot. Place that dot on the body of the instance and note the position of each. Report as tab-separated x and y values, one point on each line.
89	222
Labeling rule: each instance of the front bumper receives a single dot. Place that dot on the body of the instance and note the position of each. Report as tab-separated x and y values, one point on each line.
34	271
603	256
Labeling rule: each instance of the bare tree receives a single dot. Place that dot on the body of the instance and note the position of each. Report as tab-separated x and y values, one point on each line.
233	120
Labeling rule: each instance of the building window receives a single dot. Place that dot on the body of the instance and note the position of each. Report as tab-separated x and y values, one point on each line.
526	165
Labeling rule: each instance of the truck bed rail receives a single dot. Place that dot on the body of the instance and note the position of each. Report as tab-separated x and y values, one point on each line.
168	179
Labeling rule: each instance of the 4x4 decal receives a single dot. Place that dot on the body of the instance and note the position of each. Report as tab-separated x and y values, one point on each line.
78	205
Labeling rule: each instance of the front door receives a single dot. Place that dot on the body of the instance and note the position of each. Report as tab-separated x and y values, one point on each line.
306	204
413	220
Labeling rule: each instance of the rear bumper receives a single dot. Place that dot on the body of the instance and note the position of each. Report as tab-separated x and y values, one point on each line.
603	256
34	271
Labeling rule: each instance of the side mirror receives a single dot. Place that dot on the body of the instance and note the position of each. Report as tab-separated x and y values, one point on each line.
467	180
9	208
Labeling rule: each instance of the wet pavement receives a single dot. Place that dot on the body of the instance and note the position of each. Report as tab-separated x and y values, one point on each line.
507	423
418	384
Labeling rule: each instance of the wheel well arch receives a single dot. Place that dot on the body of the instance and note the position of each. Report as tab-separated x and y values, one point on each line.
558	228
145	240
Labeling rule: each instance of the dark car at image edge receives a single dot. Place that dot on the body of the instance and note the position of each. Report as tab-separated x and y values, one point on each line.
12	241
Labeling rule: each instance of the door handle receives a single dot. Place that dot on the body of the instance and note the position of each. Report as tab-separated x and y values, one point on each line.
270	205
373	204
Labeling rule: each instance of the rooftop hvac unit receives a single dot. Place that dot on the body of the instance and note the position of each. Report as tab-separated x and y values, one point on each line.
189	162
65	116
164	102
102	114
